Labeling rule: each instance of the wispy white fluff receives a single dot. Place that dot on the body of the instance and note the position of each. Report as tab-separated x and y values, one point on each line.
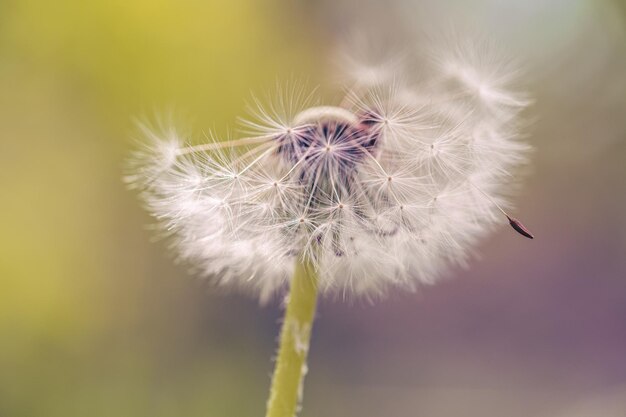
385	189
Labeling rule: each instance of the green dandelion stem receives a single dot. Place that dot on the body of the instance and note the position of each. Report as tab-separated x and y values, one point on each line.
290	369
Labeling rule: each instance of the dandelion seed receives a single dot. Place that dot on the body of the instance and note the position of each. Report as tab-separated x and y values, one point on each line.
520	228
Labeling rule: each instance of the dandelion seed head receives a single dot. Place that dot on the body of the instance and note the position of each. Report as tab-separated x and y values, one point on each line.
386	189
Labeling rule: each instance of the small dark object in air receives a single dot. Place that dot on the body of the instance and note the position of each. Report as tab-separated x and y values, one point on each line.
520	228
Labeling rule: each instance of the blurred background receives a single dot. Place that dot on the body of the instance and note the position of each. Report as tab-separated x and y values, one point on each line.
96	320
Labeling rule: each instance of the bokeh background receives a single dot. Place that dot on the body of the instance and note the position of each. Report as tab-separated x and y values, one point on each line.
96	320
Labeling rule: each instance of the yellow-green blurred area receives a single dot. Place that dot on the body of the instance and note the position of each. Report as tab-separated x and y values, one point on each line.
94	320
97	320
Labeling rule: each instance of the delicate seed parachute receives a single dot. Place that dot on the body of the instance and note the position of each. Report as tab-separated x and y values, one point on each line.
385	189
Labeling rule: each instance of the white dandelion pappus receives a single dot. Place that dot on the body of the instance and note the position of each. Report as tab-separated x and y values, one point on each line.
384	190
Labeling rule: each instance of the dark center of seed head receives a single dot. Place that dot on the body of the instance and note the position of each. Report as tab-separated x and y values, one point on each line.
327	145
348	143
